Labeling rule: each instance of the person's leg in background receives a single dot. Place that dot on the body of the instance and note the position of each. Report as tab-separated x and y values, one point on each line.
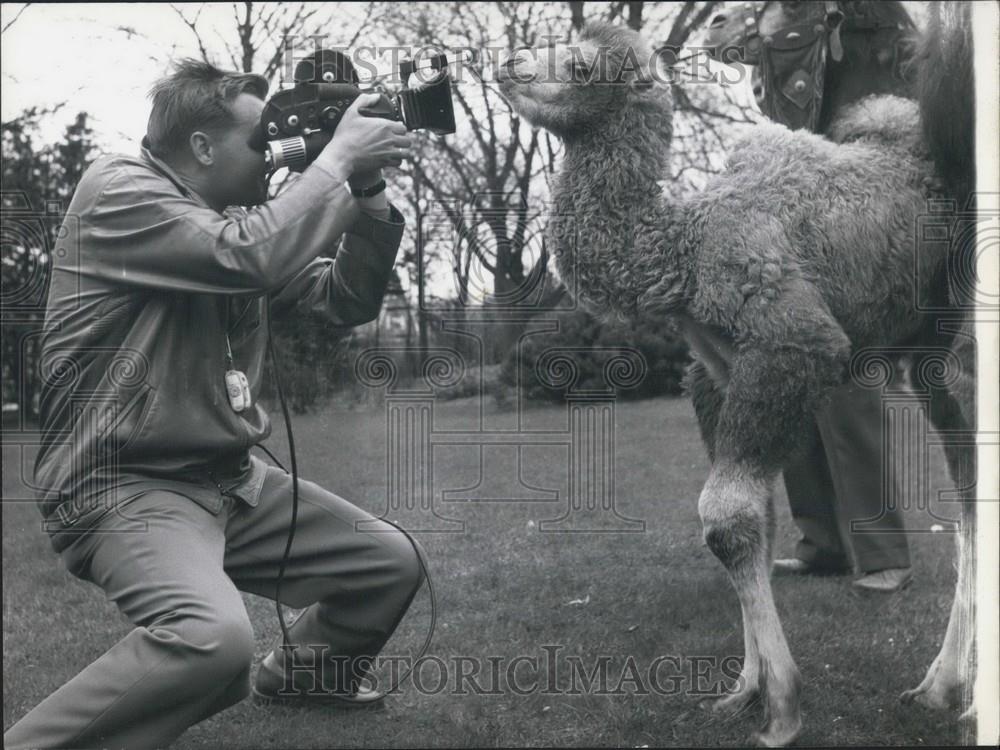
871	527
813	502
839	480
191	651
357	576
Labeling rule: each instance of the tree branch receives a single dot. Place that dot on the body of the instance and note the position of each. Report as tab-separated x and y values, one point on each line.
12	21
193	25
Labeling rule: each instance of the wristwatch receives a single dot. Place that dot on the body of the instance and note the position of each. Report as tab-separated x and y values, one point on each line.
370	191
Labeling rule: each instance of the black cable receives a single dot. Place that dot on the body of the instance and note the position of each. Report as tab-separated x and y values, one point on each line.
286	641
272	457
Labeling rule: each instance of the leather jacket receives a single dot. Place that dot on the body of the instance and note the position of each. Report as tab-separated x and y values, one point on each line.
148	283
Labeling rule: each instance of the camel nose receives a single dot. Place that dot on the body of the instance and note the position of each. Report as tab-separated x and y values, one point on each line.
718	21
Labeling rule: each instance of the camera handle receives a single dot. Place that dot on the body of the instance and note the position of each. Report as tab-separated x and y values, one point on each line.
384	108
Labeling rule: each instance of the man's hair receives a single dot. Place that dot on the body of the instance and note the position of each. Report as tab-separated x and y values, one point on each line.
195	97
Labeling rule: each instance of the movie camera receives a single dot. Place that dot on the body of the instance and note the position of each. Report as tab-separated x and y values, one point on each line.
298	122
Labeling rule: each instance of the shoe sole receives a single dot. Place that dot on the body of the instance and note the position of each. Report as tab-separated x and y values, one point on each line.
305	699
874	590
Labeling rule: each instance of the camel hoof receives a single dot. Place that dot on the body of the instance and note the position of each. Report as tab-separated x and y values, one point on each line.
733	704
928	698
933	701
776	735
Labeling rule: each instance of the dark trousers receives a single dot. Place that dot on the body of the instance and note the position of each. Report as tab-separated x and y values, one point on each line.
838	480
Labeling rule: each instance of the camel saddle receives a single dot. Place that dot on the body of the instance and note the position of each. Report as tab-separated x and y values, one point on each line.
793	64
793	59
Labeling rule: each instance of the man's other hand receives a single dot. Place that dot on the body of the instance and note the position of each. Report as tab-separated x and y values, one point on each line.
365	144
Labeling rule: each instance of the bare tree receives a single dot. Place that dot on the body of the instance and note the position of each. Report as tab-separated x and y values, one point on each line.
482	179
261	33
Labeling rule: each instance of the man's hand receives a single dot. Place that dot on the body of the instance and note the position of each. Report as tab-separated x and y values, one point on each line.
365	144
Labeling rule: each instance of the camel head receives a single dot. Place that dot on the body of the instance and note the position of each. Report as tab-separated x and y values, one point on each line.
594	86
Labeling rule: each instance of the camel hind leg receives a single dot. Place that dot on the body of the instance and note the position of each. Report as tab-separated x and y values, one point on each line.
949	679
707	396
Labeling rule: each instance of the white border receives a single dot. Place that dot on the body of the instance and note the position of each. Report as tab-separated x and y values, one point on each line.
986	27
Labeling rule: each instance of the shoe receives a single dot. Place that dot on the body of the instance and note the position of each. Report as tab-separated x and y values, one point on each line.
794	566
270	683
885	581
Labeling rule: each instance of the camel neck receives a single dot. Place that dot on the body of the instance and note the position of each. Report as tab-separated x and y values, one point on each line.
615	236
622	162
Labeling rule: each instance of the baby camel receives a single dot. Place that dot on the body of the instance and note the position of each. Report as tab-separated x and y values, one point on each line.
800	254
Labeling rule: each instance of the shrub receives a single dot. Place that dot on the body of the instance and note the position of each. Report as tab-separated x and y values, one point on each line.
313	360
664	354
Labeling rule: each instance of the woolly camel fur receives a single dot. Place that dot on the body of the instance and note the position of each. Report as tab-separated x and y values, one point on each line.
799	254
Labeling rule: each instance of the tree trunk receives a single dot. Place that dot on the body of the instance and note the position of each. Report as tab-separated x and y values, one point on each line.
422	341
635	15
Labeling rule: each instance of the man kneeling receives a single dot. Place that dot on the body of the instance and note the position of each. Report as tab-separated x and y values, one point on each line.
152	492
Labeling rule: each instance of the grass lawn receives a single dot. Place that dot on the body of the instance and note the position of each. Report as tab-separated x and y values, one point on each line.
505	590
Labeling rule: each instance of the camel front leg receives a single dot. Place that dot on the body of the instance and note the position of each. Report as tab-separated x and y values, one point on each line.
747	689
736	516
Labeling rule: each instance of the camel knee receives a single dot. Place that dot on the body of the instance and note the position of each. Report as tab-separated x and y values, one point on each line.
734	516
736	539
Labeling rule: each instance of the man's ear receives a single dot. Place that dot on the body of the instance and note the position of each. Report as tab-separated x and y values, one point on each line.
201	148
